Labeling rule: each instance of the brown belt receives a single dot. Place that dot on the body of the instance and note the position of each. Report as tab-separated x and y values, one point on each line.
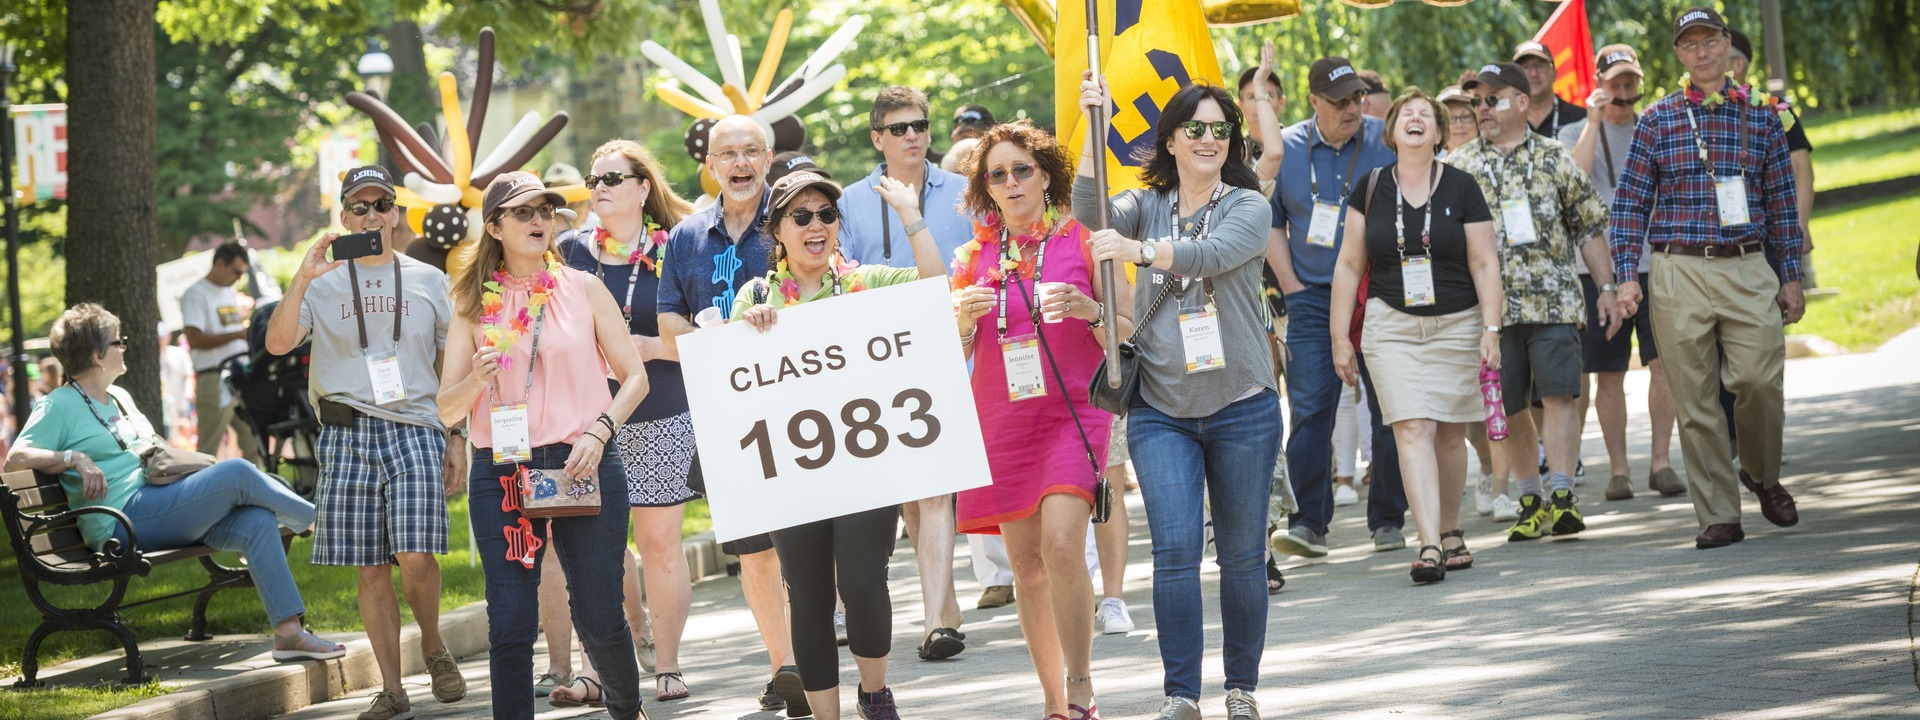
1711	251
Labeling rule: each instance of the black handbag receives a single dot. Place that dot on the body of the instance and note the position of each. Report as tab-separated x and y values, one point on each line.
1116	400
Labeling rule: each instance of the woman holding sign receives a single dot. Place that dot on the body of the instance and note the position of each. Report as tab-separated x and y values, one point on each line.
1205	422
1429	242
805	225
526	359
1030	317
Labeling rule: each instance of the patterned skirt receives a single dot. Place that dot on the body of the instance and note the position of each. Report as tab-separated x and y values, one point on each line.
658	455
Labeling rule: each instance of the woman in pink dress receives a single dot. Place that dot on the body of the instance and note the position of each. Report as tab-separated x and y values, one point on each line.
1045	442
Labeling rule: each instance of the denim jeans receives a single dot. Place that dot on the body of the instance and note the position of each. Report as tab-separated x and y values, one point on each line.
1312	391
230	506
1228	458
589	549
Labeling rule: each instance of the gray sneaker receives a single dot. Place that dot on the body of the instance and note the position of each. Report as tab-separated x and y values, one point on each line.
1242	706
1302	542
1178	708
1387	538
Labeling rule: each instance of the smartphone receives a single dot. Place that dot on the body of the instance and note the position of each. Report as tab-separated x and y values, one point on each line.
357	245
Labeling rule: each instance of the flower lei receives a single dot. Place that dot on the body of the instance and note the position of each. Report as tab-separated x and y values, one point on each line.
964	260
651	259
502	336
1737	94
838	271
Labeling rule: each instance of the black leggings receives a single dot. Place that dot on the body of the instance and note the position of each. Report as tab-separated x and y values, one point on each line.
855	548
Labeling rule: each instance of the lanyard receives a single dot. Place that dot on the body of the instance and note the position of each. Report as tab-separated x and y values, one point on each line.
1206	222
112	430
886	231
1497	175
1554	115
1400	213
399	300
1313	177
1700	141
633	276
1013	276
532	355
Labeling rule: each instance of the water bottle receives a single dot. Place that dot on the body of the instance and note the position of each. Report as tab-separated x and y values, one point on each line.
1496	412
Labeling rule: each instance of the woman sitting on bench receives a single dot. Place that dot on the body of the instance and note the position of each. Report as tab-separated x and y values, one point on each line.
90	434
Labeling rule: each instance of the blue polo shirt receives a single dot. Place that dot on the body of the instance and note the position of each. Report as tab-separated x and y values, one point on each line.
863	239
706	268
1293	197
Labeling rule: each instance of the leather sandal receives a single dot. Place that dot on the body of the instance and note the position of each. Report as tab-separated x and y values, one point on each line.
664	691
1429	571
592	696
1459	558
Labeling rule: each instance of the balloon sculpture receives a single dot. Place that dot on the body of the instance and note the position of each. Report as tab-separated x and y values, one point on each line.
772	106
443	185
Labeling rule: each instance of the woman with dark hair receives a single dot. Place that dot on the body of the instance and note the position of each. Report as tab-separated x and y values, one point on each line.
1025	262
1206	422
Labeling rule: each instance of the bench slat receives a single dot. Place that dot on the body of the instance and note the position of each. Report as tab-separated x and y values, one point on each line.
21	479
60	540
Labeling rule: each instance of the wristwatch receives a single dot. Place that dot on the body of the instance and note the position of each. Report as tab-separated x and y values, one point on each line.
917	226
1609	287
1147	255
1495	329
66	458
457	433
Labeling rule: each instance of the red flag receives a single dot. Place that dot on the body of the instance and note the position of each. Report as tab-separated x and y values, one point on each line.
1567	37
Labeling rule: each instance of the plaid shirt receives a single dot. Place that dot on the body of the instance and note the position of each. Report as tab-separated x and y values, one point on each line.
1666	195
1540	283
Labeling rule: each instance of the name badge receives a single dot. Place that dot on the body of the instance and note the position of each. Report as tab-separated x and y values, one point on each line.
1416	279
511	443
1732	194
1200	335
1325	226
384	369
1517	215
1022	359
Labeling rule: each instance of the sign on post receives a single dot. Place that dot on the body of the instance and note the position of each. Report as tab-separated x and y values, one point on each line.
847	404
40	139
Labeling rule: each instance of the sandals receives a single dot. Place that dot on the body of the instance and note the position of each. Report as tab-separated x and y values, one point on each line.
1429	571
664	692
942	643
1275	580
592	696
1091	712
305	646
1459	558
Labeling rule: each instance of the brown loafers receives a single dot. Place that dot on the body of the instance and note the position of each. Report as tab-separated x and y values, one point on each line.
1719	536
1776	504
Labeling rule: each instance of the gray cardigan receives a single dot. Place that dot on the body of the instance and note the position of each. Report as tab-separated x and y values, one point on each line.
1232	254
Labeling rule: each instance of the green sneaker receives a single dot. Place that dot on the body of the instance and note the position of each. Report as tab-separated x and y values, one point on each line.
1535	521
1566	517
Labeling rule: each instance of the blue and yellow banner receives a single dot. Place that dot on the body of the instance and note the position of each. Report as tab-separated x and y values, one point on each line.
1149	49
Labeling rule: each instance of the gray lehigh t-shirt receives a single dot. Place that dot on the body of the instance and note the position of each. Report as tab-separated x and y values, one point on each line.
339	368
1233	254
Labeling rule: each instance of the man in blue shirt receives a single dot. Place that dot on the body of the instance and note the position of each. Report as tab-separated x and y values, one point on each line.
871	234
1326	156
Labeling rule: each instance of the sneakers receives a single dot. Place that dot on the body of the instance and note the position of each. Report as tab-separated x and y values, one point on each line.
792	692
647	654
1535	520
1483	495
1505	509
448	685
995	596
1242	706
1566	517
1114	619
1178	708
1302	542
1620	487
1344	495
1388	538
388	706
876	706
769	700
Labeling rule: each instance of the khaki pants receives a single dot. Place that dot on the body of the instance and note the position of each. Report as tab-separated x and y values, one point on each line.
1728	302
216	417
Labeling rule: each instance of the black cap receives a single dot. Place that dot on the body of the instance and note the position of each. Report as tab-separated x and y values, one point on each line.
1334	77
1741	44
1502	75
1697	17
1614	60
365	176
790	162
1532	49
1373	82
790	186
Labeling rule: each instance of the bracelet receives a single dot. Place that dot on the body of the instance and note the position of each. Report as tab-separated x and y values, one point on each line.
968	339
1099	316
1492	328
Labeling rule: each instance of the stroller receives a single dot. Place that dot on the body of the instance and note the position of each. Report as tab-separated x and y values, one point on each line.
270	393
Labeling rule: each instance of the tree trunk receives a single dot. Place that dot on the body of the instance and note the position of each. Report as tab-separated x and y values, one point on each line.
415	94
112	224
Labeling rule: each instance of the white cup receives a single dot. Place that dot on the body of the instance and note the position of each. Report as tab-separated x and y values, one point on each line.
709	317
1047	291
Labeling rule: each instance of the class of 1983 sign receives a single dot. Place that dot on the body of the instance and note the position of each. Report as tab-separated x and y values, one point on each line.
847	404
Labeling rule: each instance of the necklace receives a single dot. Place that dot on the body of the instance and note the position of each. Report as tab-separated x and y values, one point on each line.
651	252
839	273
502	335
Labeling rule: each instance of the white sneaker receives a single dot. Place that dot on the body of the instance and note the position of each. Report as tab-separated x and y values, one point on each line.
1505	509
1483	495
1344	495
1114	619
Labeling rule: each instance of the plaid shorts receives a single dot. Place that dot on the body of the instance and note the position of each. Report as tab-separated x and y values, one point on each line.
380	493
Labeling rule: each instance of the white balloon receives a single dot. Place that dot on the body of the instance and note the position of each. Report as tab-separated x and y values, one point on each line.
824	55
516	138
693	79
774	111
433	192
717	33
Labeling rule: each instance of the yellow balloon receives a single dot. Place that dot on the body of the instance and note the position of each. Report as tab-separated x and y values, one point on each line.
456	132
416	219
680	100
409	199
1038	17
770	61
739	99
471	196
573	193
1232	13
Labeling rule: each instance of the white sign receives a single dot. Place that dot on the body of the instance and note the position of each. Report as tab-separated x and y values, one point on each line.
40	136
339	152
847	404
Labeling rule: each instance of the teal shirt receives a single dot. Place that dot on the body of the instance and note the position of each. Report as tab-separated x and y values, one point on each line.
61	421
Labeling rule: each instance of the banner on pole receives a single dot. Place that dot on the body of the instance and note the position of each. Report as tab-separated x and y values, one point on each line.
1566	35
40	142
1149	50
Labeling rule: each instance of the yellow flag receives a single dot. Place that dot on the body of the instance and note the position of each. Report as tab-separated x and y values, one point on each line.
1149	50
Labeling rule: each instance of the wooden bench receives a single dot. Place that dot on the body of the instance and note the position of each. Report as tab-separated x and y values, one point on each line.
45	534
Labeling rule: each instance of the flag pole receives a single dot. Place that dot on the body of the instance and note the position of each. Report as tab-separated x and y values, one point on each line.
1097	128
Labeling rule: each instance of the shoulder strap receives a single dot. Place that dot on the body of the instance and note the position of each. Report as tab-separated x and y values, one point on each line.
1373	178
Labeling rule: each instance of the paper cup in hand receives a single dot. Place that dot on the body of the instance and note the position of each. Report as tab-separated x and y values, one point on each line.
1048	291
709	317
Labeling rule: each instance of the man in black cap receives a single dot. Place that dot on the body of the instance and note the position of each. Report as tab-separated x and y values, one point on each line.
1379	99
1547	113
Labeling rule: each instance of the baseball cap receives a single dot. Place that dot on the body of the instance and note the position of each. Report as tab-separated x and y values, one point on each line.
1697	17
1501	74
363	177
515	189
790	162
1373	82
562	174
1615	60
790	187
1532	49
1453	94
1334	77
1741	43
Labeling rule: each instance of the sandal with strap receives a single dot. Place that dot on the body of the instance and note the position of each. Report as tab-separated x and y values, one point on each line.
1275	579
662	691
1090	712
1429	571
591	696
1459	558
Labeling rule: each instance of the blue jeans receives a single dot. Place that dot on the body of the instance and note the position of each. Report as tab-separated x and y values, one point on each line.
589	549
1227	457
1312	391
230	506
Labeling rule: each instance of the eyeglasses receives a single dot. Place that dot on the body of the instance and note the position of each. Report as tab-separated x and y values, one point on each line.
1343	104
1712	43
611	178
525	213
828	216
360	207
901	128
1021	171
121	343
1221	130
1461	119
752	153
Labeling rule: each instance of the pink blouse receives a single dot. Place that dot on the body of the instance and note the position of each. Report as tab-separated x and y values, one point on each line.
570	375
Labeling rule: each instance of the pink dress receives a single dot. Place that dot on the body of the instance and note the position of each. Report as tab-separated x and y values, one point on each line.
1033	448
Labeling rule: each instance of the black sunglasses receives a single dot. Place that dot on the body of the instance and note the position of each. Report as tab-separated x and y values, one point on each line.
611	178
1221	130
1489	102
900	128
1344	103
121	343
1625	102
1021	171
525	213
360	207
802	218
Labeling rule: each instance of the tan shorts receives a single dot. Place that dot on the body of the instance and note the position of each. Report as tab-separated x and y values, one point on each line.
1424	367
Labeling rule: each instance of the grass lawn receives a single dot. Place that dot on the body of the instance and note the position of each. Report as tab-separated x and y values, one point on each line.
1864	146
1866	252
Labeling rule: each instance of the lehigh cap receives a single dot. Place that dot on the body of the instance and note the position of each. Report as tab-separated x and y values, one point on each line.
366	176
1500	74
515	189
1741	43
1453	94
1532	49
790	162
1697	17
1614	60
1333	77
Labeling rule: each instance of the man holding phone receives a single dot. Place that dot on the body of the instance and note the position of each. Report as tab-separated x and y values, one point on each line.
379	323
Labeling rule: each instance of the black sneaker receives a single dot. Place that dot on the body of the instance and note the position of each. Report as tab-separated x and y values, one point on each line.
770	701
880	708
786	684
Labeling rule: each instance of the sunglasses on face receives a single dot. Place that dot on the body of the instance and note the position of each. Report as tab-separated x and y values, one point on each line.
1193	128
1021	171
828	216
360	207
120	343
525	213
900	128
1625	101
1489	102
612	178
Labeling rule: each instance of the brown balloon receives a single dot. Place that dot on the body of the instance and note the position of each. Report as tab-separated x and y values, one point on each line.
389	122
533	147
393	152
482	91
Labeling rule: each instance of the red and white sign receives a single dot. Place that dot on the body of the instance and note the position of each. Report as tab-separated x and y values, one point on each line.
40	136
